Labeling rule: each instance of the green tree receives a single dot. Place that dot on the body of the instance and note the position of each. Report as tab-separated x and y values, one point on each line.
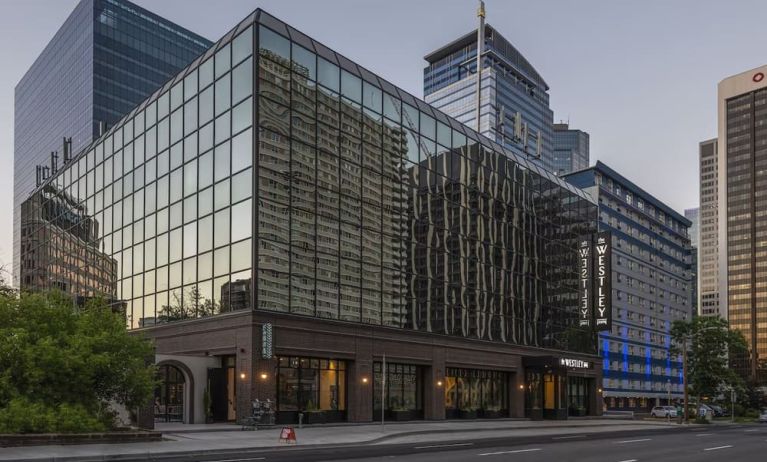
61	365
709	343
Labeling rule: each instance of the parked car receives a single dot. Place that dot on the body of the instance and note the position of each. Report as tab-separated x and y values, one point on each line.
663	411
763	416
718	410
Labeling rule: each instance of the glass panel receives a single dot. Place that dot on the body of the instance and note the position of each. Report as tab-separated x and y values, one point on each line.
242	81
242	46
328	74
304	62
273	45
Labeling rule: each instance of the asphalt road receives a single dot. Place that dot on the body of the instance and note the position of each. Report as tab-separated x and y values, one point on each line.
725	443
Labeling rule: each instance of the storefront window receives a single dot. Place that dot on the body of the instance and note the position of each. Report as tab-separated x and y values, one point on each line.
469	391
404	391
310	385
578	395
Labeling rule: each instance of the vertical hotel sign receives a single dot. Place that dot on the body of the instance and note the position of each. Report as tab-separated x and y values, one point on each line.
585	281
603	282
595	281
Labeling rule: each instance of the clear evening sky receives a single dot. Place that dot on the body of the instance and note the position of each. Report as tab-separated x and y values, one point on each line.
639	76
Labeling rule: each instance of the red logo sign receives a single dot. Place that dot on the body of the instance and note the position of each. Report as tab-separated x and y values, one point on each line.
758	77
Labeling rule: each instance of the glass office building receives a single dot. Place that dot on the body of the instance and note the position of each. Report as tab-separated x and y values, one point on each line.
514	108
106	58
571	149
289	187
652	286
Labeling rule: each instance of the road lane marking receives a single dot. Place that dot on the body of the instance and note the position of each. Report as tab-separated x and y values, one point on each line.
704	434
629	460
568	437
634	441
508	452
752	430
239	460
718	447
443	445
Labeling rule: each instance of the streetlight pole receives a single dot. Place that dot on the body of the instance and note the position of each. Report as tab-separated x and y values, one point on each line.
668	398
732	404
684	380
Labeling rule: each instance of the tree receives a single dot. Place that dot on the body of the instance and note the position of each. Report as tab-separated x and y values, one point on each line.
61	365
709	342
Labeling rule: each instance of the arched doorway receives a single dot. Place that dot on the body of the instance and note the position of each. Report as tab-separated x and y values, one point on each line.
169	394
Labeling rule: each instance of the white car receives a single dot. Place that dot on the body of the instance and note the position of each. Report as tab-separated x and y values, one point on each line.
763	416
663	411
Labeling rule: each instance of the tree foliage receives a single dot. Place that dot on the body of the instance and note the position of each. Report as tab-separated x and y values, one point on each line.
709	343
60	364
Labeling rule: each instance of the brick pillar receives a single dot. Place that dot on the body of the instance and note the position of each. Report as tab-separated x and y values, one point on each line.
433	392
596	404
244	364
359	391
517	393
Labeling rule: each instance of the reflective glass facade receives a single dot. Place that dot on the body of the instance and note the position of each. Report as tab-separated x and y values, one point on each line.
571	149
107	57
340	195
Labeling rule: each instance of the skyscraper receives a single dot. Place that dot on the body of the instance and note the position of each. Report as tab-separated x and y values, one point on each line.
694	232
571	149
708	253
742	154
514	98
108	56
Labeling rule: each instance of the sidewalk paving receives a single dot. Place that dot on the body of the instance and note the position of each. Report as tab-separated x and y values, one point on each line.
219	438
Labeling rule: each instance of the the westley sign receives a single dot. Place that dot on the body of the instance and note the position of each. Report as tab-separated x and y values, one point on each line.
594	281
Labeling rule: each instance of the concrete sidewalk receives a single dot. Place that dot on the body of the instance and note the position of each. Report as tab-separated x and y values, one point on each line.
219	440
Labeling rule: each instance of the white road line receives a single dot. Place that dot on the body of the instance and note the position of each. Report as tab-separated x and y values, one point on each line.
752	430
704	434
629	460
634	441
443	445
568	437
718	447
508	452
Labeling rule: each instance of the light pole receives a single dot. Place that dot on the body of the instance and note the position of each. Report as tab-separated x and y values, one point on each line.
732	404
668	399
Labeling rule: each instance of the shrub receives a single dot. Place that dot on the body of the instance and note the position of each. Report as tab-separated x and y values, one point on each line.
24	416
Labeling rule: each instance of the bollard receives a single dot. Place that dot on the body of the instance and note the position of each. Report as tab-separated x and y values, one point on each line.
300	419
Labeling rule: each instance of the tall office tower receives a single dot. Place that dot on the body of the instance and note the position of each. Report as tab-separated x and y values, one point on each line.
514	98
277	215
708	250
571	149
651	285
694	232
108	56
742	154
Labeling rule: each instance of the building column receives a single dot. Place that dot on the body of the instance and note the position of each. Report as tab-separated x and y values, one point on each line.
517	393
359	384
245	378
596	405
434	387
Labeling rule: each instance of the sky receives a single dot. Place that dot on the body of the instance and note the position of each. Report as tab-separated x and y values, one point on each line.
639	76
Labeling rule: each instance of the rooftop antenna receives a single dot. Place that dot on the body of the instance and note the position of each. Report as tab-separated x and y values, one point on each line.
480	49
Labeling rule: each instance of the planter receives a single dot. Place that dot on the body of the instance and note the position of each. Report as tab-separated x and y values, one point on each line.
492	414
467	414
401	415
312	417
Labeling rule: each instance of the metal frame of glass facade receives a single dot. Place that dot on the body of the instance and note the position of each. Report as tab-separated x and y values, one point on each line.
344	197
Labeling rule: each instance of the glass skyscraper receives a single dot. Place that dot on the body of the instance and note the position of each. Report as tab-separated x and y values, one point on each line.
514	98
108	56
274	182
571	149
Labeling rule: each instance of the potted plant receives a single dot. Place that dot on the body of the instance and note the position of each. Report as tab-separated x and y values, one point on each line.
207	405
313	415
468	413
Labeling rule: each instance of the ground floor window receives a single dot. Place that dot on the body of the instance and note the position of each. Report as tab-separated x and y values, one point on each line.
404	391
472	393
313	387
169	395
579	395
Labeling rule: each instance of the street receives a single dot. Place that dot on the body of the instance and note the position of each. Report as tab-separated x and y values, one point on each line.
735	443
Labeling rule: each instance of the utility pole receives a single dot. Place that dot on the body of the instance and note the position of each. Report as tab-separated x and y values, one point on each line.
480	49
383	391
